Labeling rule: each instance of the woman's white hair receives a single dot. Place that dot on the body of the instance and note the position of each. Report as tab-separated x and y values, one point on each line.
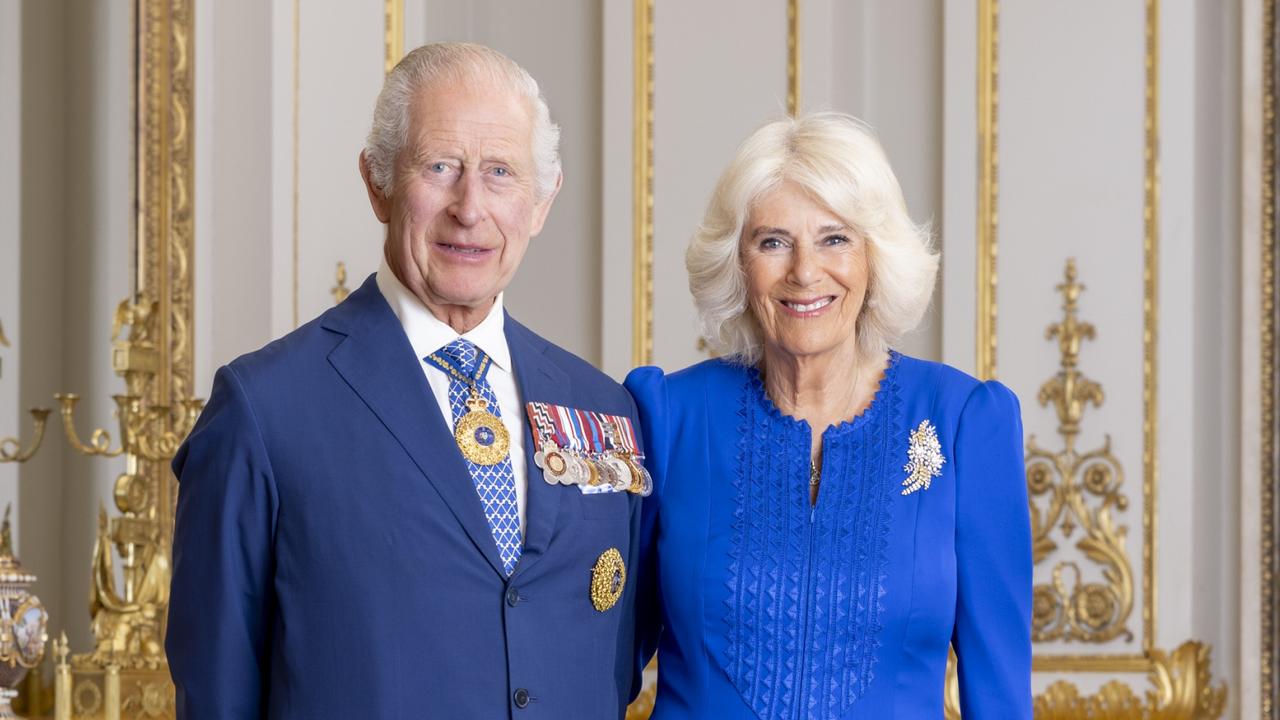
837	159
457	62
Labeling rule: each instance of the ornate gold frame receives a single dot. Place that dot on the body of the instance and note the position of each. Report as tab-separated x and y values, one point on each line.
793	57
393	10
127	671
642	186
1270	481
988	188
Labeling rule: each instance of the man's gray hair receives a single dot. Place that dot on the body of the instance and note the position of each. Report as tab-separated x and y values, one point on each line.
838	161
456	62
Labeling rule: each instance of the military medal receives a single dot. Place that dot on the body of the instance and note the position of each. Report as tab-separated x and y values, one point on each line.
480	434
595	451
616	472
608	578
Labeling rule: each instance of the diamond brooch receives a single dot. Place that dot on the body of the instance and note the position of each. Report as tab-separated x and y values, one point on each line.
924	458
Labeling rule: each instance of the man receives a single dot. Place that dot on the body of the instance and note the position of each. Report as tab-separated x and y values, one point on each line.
364	529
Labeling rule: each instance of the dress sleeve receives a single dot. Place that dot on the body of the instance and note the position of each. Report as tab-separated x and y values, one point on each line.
992	635
648	386
221	598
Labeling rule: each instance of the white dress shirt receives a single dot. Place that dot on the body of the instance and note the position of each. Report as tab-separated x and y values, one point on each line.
428	334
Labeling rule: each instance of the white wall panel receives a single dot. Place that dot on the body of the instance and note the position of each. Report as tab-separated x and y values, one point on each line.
1071	185
340	62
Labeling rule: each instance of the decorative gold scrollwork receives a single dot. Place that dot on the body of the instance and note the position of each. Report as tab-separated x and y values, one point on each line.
1070	491
1180	689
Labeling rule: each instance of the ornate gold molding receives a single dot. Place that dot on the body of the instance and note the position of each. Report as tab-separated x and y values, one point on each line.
1270	481
642	186
1181	688
1150	322
126	674
1082	490
988	186
793	57
393	13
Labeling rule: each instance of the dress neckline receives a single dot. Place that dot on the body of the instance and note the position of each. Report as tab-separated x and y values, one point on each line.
888	379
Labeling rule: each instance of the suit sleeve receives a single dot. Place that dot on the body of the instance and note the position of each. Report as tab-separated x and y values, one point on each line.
649	388
992	636
221	598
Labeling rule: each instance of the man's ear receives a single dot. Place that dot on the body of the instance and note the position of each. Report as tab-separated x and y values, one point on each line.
377	199
542	208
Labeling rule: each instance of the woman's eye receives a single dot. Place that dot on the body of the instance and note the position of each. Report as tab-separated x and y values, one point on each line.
837	240
771	244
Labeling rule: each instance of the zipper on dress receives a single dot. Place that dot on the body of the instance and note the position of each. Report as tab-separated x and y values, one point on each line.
802	689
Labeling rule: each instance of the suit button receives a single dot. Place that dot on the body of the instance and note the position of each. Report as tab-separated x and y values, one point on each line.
521	698
513	597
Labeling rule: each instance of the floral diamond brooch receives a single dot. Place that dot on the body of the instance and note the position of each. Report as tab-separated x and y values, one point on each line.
924	458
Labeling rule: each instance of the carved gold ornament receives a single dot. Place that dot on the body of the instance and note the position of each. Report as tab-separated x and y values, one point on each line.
608	578
340	291
1075	494
1181	689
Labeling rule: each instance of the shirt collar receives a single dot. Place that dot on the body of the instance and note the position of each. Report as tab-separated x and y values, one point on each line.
427	333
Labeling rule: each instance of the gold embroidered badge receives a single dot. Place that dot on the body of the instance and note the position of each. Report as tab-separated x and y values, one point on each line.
608	578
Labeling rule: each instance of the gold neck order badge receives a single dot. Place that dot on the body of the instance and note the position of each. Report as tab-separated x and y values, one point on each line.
480	434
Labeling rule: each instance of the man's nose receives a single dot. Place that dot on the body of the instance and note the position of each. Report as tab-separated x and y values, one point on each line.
468	206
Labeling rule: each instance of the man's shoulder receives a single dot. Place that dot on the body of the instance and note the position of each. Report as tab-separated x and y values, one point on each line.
288	355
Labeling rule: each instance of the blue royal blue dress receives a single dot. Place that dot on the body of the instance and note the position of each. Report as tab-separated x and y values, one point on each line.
763	606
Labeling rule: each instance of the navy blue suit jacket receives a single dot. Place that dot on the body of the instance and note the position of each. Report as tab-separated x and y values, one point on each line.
332	559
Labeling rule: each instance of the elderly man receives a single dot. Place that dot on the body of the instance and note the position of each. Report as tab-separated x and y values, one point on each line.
365	528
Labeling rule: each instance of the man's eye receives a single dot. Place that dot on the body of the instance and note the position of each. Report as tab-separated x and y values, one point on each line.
501	172
439	167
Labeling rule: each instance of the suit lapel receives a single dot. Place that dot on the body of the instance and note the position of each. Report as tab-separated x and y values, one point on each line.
539	380
378	363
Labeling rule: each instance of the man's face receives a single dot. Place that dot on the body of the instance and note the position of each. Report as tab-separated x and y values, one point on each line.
463	204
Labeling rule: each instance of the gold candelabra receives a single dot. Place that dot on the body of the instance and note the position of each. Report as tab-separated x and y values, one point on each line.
11	449
128	621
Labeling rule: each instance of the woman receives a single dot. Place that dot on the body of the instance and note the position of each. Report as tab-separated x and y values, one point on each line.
793	573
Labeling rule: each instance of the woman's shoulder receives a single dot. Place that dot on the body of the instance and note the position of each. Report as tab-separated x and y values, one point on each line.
950	387
691	381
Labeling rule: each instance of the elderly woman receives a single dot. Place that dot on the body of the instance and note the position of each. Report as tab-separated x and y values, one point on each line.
828	514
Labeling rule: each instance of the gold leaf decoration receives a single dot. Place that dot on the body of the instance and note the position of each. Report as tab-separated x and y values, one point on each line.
1069	490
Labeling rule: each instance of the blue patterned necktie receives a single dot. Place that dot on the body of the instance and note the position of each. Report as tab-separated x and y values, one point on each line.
495	484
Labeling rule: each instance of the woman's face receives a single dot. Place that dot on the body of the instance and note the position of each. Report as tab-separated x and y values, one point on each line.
806	273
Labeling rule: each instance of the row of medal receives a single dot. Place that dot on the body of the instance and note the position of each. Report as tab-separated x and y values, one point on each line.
595	451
